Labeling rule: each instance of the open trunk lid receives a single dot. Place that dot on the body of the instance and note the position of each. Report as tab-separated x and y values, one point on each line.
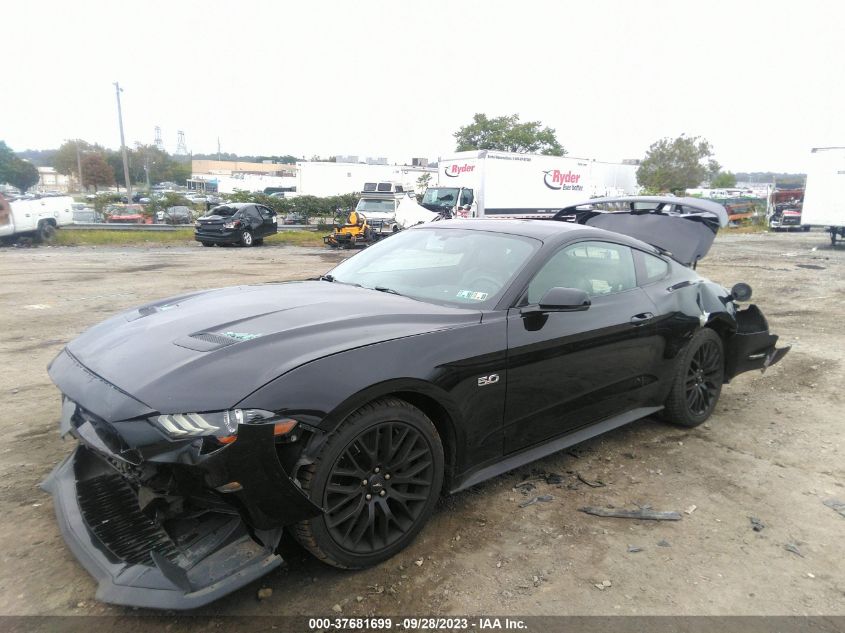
684	228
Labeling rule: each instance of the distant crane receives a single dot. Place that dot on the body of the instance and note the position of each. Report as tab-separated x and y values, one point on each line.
158	142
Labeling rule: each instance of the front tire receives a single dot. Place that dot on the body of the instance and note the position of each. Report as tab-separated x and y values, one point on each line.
698	380
377	477
246	238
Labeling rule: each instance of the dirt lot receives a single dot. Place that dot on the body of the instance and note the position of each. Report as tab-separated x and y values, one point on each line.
773	450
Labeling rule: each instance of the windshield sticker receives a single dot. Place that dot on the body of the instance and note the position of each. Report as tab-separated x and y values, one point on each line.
241	336
474	296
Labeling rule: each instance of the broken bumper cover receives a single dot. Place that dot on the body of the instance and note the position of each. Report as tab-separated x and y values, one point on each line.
127	572
147	516
752	346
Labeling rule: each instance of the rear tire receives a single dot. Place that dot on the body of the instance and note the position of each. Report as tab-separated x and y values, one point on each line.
246	239
395	448
698	380
207	243
46	232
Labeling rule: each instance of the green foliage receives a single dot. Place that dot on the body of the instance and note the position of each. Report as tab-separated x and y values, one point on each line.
38	157
162	166
105	199
310	206
507	134
673	165
179	236
96	171
781	178
170	199
283	159
723	179
16	171
21	174
64	160
7	156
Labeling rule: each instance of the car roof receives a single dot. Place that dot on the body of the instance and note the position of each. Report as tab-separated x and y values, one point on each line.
543	230
539	229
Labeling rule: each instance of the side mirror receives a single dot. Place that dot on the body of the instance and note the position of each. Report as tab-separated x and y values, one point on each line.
741	292
560	300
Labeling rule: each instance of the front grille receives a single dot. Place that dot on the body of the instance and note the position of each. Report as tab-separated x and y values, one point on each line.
110	508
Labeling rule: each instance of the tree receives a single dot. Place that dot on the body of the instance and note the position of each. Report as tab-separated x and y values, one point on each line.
674	165
7	156
21	174
96	172
507	134
64	160
723	179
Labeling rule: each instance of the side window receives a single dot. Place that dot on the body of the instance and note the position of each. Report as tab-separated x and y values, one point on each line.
466	197
266	213
597	268
654	268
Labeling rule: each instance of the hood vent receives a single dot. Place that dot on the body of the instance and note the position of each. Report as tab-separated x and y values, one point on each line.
206	341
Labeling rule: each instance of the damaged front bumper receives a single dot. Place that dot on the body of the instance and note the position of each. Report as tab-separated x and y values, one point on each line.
171	526
134	559
751	346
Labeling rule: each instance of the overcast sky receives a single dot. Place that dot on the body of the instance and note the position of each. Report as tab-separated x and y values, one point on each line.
763	81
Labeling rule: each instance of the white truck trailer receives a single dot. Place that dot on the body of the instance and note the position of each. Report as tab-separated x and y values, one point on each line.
506	184
824	193
34	218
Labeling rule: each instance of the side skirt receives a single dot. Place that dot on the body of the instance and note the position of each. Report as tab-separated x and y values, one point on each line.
538	452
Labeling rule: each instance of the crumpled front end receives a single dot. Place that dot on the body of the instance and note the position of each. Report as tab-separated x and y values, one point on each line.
168	524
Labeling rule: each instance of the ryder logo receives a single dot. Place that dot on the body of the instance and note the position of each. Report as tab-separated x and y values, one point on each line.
453	171
556	179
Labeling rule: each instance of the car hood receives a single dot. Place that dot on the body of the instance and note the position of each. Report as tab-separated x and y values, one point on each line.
209	350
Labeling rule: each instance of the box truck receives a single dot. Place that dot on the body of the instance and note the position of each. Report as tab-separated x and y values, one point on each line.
824	193
506	184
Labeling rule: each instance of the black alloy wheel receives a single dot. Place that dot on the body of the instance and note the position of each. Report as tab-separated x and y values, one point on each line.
377	479
378	487
705	368
698	380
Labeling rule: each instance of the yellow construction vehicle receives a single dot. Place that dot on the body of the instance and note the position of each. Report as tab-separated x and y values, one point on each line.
355	232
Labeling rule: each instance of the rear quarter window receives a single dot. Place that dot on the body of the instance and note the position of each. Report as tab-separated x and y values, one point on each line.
653	268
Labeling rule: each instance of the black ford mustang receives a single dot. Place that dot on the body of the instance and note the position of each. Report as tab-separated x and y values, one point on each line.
340	408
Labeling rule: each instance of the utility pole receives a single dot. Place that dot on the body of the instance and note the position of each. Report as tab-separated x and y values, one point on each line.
79	166
123	144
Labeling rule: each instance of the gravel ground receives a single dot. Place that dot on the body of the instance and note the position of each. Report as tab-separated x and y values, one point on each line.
772	451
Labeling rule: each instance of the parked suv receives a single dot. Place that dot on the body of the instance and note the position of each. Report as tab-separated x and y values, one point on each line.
240	223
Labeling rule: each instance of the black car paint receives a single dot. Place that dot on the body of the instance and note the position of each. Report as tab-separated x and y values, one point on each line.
324	349
259	220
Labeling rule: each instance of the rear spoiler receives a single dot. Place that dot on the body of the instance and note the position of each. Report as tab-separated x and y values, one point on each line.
683	228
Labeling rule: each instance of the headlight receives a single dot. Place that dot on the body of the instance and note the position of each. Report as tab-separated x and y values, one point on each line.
220	424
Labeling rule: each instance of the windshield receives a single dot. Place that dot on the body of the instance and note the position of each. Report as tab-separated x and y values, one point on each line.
441	197
452	266
376	206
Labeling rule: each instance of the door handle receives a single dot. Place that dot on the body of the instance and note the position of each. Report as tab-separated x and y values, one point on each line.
642	317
